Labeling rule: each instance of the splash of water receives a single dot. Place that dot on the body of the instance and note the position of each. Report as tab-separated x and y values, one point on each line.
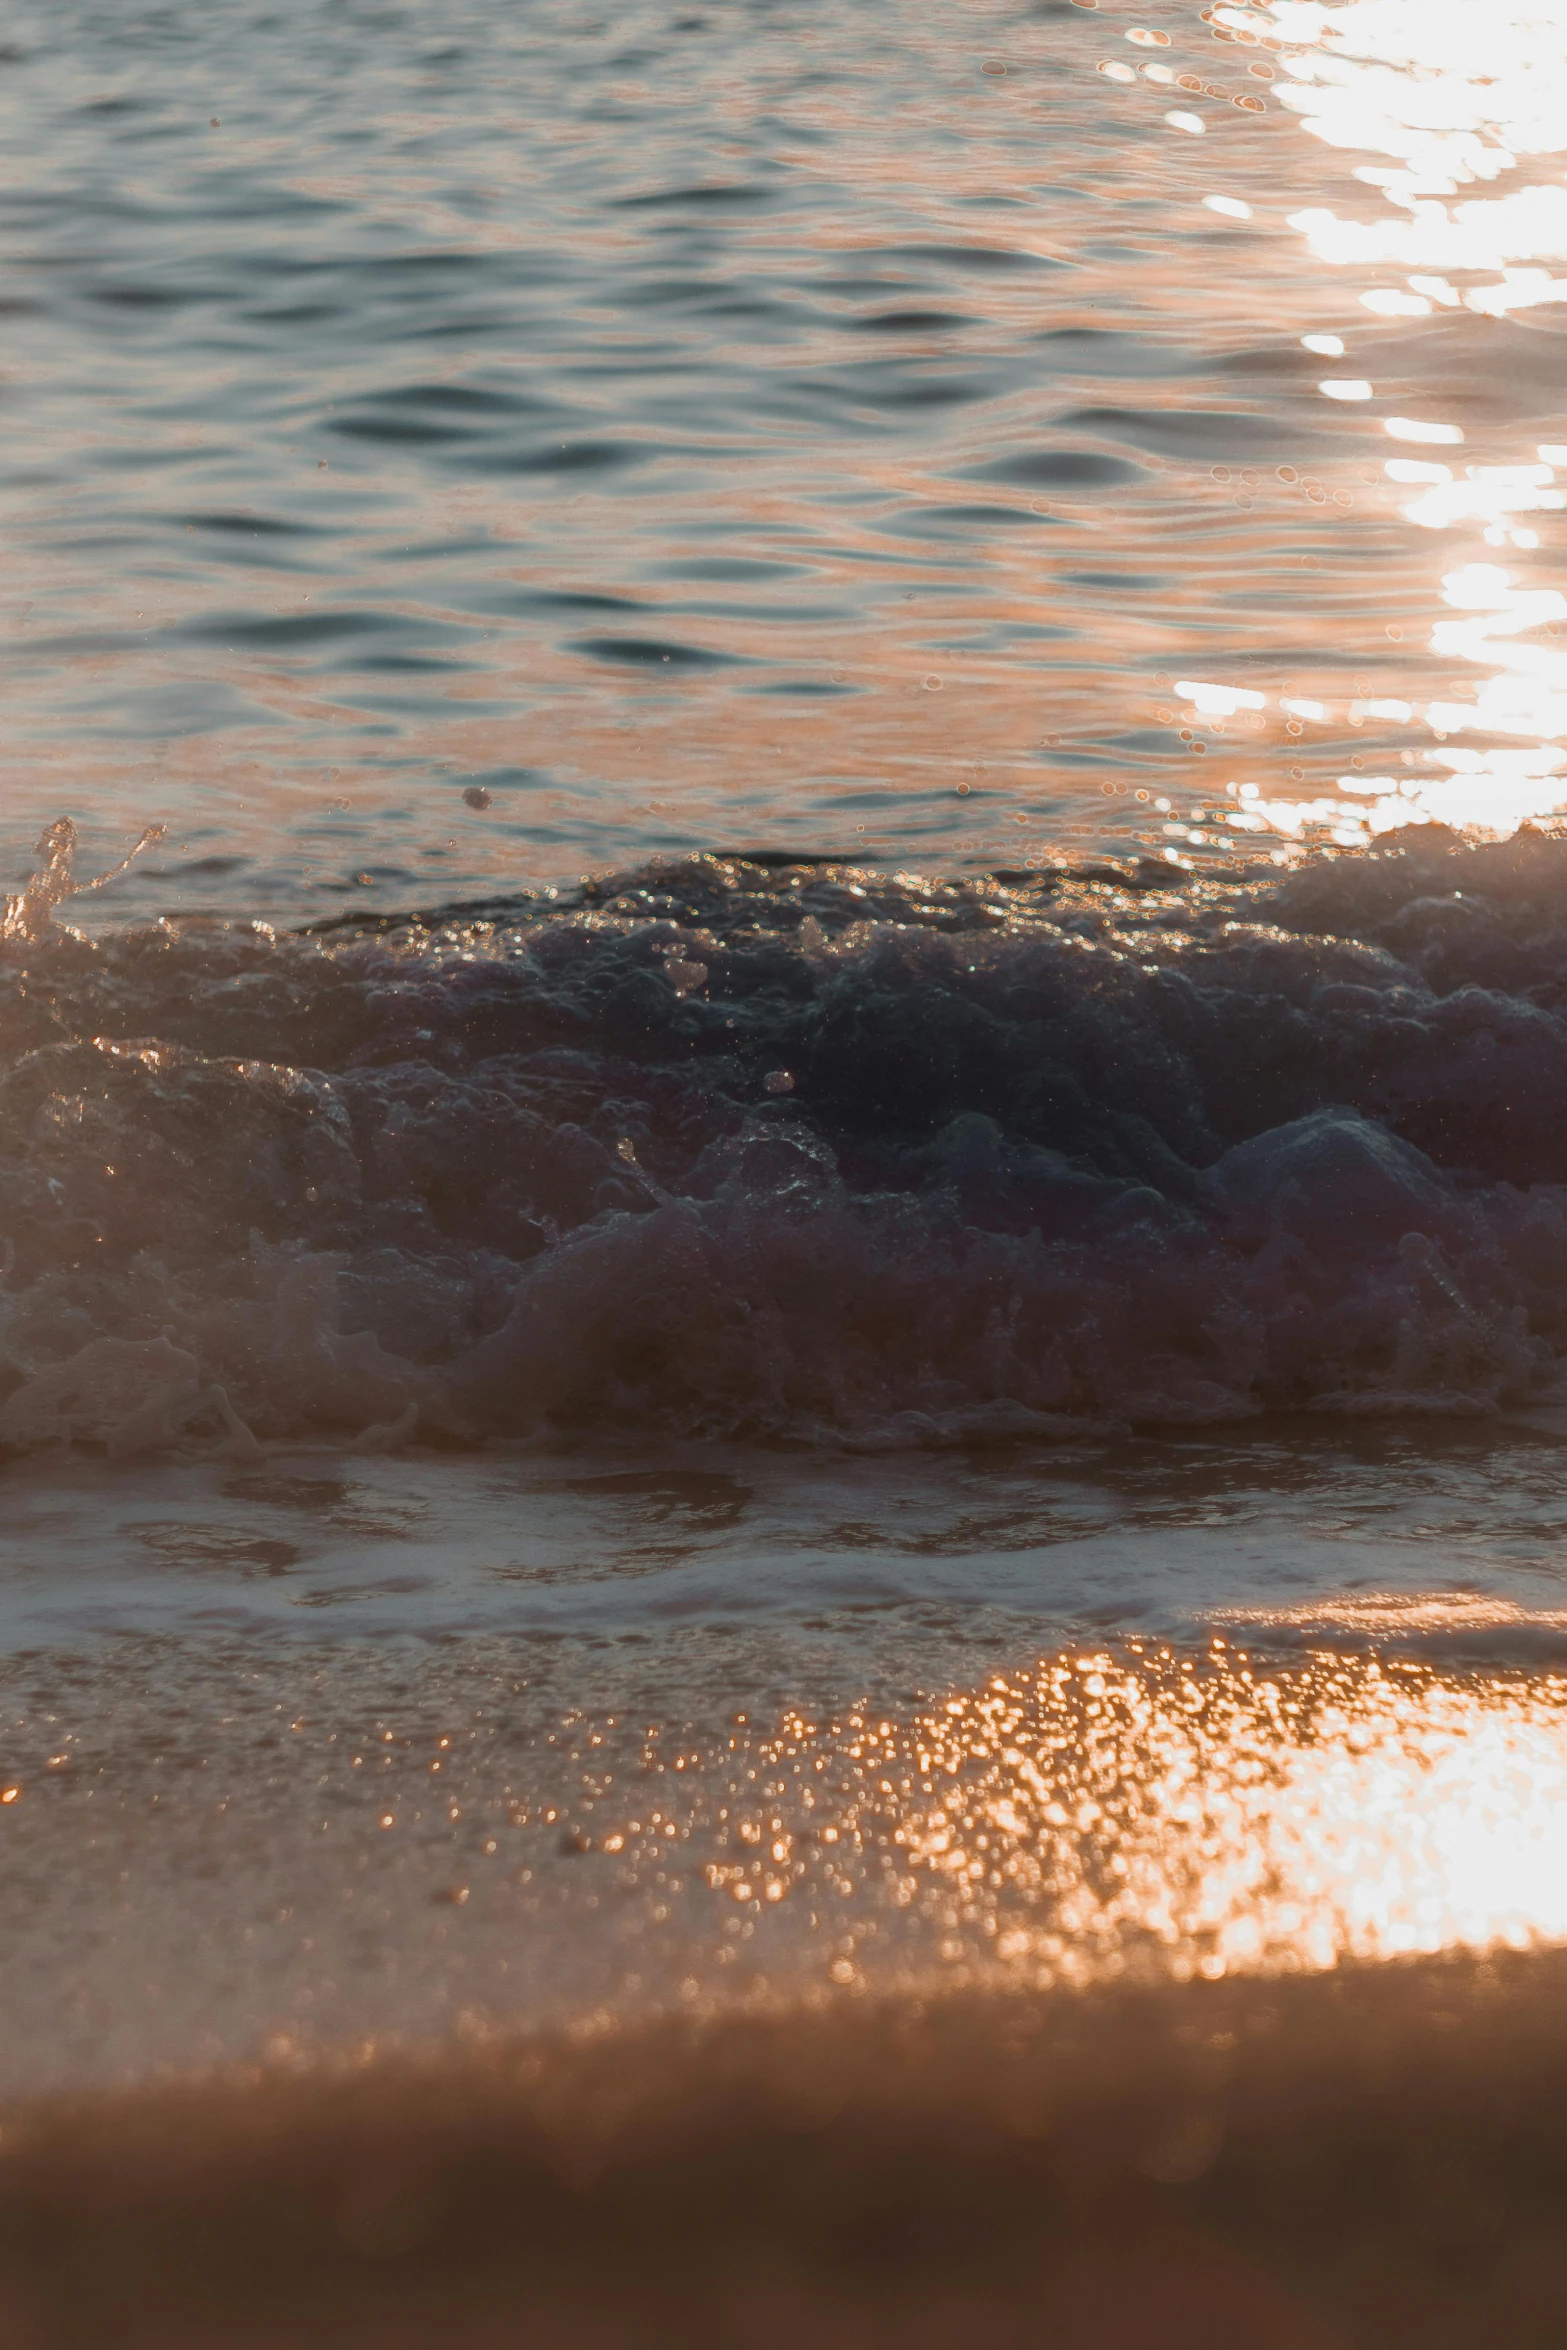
30	913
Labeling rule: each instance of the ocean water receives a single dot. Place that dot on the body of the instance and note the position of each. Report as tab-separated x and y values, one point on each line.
811	427
798	1235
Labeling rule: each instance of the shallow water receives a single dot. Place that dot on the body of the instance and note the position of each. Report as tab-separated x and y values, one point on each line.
968	1419
353	1754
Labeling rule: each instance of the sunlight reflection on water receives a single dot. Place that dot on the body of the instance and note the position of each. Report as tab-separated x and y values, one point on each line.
1098	1815
1238	1819
570	469
1453	98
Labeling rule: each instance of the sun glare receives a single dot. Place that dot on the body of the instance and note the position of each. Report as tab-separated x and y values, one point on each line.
1458	114
1214	1817
1149	1814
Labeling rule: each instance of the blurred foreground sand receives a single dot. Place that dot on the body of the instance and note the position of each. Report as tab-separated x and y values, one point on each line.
1375	2156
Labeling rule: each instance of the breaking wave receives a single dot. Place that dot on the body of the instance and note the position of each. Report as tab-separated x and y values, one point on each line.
754	1148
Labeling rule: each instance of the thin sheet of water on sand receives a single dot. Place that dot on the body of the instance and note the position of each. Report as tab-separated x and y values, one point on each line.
354	1752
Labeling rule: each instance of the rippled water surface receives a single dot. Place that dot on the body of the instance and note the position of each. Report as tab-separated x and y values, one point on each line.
815	424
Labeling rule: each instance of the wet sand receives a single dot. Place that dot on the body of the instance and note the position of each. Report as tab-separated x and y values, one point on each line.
1374	2157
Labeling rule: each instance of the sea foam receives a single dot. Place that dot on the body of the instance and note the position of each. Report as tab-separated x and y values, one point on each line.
744	1148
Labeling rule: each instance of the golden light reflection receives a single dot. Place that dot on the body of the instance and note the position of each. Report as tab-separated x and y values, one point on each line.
1443	98
1373	1615
1222	1817
1096	1816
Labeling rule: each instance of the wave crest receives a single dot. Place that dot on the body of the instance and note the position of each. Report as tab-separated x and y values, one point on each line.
751	1148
